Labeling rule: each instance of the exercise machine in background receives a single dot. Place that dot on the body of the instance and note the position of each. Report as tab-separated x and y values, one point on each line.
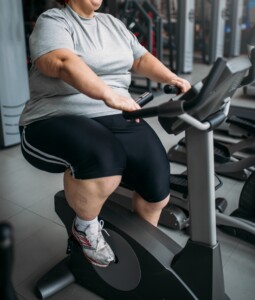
141	18
185	36
234	149
234	26
245	212
179	26
166	30
210	29
14	90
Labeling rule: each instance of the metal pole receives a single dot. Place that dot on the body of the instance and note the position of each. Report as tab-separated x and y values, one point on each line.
200	166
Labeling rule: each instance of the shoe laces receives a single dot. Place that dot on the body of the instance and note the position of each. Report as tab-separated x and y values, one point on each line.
94	234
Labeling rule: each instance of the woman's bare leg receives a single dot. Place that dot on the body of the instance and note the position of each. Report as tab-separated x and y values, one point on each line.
86	197
148	210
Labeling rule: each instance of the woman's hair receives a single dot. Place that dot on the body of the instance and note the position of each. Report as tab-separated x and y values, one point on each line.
62	2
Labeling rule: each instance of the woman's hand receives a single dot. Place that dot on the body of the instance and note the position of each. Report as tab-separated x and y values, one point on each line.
181	83
122	103
149	66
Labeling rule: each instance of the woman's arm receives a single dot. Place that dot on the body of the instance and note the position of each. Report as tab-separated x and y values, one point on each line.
150	67
65	65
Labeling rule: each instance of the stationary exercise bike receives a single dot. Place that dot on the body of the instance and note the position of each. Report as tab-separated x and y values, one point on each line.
240	223
149	264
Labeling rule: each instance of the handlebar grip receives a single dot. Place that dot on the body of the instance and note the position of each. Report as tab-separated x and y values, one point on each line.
171	89
144	99
146	113
167	109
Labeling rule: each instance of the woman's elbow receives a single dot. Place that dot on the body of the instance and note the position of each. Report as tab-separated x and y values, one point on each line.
50	65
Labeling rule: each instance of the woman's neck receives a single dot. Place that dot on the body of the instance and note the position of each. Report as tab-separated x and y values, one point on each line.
83	11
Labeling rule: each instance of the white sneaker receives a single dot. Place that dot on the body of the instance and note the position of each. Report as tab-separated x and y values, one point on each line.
93	244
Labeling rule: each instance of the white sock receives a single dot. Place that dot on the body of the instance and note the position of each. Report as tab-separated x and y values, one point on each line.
81	224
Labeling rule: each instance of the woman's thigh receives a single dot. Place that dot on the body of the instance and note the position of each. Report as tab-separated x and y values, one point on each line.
148	168
85	146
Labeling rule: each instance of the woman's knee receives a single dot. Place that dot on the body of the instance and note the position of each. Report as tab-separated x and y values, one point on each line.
159	205
107	185
96	187
149	205
150	211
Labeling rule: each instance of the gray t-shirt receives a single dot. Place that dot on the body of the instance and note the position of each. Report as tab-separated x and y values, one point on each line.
103	43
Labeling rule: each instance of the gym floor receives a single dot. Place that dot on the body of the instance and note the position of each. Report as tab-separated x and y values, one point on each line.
26	201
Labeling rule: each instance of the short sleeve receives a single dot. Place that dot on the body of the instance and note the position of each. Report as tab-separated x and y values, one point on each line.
138	49
51	32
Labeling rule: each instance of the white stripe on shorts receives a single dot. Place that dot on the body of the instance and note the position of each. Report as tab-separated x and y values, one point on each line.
40	154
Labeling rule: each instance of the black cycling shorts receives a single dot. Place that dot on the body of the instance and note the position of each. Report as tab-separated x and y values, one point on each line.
100	147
